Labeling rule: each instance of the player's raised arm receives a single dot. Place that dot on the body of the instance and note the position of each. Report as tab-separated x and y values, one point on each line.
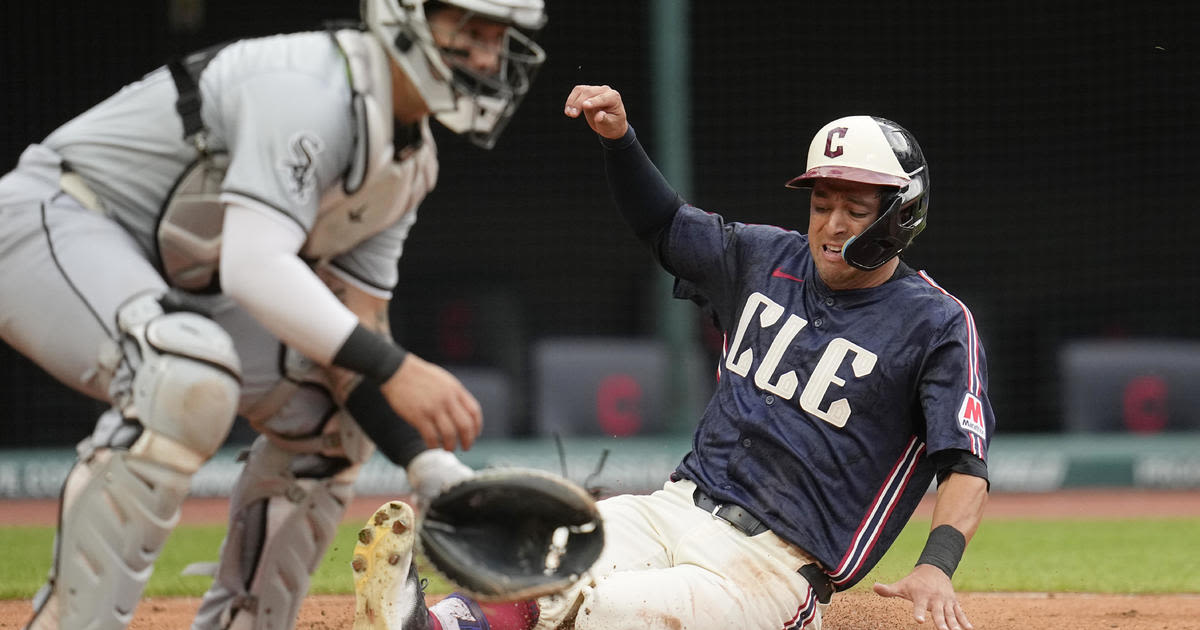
956	515
644	197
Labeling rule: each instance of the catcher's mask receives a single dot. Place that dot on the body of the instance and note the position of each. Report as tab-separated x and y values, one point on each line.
468	102
873	150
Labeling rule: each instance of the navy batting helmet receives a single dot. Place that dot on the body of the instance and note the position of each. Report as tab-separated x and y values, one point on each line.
874	150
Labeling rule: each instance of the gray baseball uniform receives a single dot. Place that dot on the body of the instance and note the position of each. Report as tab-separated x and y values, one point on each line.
118	203
130	151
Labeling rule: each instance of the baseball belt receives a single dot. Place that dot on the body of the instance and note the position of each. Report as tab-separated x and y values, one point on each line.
731	513
749	525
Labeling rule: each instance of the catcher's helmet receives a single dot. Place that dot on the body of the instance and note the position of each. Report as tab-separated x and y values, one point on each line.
874	150
467	102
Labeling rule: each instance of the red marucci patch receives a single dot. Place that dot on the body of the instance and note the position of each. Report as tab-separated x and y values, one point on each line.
970	416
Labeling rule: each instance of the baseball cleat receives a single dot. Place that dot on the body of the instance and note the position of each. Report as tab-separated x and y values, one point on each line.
462	613
387	590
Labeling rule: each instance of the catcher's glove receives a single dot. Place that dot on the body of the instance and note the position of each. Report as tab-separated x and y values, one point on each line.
507	534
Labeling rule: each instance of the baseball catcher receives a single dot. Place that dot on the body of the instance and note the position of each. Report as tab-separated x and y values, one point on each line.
219	239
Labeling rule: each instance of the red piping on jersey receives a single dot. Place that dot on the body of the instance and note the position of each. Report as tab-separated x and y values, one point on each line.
885	500
724	351
780	273
974	380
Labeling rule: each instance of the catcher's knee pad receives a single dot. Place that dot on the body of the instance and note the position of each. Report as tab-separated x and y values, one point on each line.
281	524
184	389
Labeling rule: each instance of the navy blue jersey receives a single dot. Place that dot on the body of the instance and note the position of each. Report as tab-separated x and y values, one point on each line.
829	403
832	407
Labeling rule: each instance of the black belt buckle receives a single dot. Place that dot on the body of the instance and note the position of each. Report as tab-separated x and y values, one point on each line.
821	584
733	515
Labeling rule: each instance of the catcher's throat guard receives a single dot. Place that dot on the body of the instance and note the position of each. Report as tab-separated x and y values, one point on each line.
508	534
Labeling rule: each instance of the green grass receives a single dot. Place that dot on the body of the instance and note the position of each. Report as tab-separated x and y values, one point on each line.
1071	555
28	551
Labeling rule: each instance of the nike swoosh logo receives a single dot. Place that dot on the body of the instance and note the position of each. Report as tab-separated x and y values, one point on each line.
356	214
780	273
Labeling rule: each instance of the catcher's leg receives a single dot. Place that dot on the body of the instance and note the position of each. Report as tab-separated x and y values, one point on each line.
176	392
284	513
280	525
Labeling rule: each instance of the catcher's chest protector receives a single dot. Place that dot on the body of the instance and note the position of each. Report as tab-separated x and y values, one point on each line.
380	187
376	191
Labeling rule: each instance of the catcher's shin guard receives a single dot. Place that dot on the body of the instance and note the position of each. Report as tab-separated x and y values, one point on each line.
280	526
176	401
122	510
387	589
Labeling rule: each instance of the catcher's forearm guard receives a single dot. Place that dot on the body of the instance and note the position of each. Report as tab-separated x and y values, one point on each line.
508	534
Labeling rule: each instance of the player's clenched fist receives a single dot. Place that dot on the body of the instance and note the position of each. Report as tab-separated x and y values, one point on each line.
601	106
435	403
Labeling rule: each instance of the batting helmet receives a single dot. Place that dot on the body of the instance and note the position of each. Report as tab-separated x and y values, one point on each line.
874	150
466	101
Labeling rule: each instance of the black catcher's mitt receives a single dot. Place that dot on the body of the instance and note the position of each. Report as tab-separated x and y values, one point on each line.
507	534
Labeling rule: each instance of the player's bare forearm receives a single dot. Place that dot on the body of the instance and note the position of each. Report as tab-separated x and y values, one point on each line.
372	313
960	502
425	395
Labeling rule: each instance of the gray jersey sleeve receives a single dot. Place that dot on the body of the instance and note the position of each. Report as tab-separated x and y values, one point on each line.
288	127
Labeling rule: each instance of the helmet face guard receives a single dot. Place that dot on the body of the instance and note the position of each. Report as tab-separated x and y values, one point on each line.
485	103
874	150
467	102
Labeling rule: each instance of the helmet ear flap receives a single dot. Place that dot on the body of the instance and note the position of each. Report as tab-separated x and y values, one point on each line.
877	244
904	215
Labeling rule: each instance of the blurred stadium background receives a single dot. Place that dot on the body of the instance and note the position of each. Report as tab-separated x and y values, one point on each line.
1062	140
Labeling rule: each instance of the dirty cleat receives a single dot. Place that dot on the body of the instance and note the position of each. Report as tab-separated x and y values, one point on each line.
387	590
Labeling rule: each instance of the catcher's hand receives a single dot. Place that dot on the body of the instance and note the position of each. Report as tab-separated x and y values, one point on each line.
508	534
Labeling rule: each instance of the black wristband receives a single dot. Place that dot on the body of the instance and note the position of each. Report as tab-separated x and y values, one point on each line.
398	440
944	549
370	354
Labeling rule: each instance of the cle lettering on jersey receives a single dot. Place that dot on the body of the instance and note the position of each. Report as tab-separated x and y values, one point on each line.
784	385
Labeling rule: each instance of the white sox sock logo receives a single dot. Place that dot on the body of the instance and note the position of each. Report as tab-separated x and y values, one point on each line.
301	182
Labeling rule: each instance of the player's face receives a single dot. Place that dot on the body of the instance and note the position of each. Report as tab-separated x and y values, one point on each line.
838	210
474	42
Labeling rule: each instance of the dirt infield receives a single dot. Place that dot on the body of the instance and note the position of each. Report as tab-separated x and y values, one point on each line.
856	610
